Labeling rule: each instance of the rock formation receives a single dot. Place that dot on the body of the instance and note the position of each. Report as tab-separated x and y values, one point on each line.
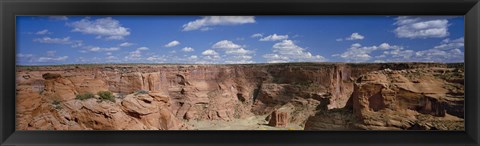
413	99
316	96
278	119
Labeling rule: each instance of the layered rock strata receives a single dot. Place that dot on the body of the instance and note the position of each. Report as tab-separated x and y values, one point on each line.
307	92
412	99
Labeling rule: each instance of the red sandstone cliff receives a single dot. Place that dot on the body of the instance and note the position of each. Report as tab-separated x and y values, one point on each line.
412	99
178	93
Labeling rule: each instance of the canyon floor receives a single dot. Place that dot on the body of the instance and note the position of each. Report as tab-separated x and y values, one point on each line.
249	123
282	96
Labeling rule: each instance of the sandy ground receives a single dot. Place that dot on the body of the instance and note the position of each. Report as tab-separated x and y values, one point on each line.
250	123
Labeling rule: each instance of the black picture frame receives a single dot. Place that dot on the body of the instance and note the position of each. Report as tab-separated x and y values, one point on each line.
11	8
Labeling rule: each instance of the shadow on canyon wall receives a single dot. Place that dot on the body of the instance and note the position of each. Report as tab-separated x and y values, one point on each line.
312	96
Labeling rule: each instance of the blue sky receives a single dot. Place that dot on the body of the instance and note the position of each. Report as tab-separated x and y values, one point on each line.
43	40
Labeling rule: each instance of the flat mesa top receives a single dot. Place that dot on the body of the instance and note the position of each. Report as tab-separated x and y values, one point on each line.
249	64
396	66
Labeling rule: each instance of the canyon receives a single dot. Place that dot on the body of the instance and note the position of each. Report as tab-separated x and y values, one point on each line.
280	96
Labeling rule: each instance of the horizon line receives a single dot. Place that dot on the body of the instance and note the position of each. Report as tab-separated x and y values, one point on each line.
19	65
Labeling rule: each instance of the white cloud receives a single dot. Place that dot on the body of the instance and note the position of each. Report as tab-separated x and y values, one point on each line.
20	55
226	44
157	59
210	53
205	22
173	59
49	40
356	45
381	56
32	59
225	54
355	36
134	55
112	49
288	51
274	37
108	59
205	29
384	46
234	53
52	59
63	41
404	55
448	44
43	32
275	58
212	59
435	55
109	28
100	49
257	35
187	49
95	49
421	27
240	51
51	53
111	58
242	59
447	51
239	56
98	60
210	56
125	44
459	40
25	58
287	47
83	60
359	53
142	49
193	57
172	44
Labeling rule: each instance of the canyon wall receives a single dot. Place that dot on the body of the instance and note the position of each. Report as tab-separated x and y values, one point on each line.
178	93
410	99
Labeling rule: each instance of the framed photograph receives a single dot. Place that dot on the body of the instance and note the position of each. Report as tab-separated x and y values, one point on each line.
213	72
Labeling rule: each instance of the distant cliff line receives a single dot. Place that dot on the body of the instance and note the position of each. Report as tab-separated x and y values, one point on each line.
248	64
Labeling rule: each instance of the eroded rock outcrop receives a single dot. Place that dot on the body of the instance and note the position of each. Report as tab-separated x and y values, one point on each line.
175	94
413	99
278	119
55	108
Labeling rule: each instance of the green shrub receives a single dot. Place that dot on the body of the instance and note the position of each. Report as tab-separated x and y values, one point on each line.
56	104
84	96
51	76
106	95
141	92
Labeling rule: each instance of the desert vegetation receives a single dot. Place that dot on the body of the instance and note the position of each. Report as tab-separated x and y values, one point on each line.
283	96
84	96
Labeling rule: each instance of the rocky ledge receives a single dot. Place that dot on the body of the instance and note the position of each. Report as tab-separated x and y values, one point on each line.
312	96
